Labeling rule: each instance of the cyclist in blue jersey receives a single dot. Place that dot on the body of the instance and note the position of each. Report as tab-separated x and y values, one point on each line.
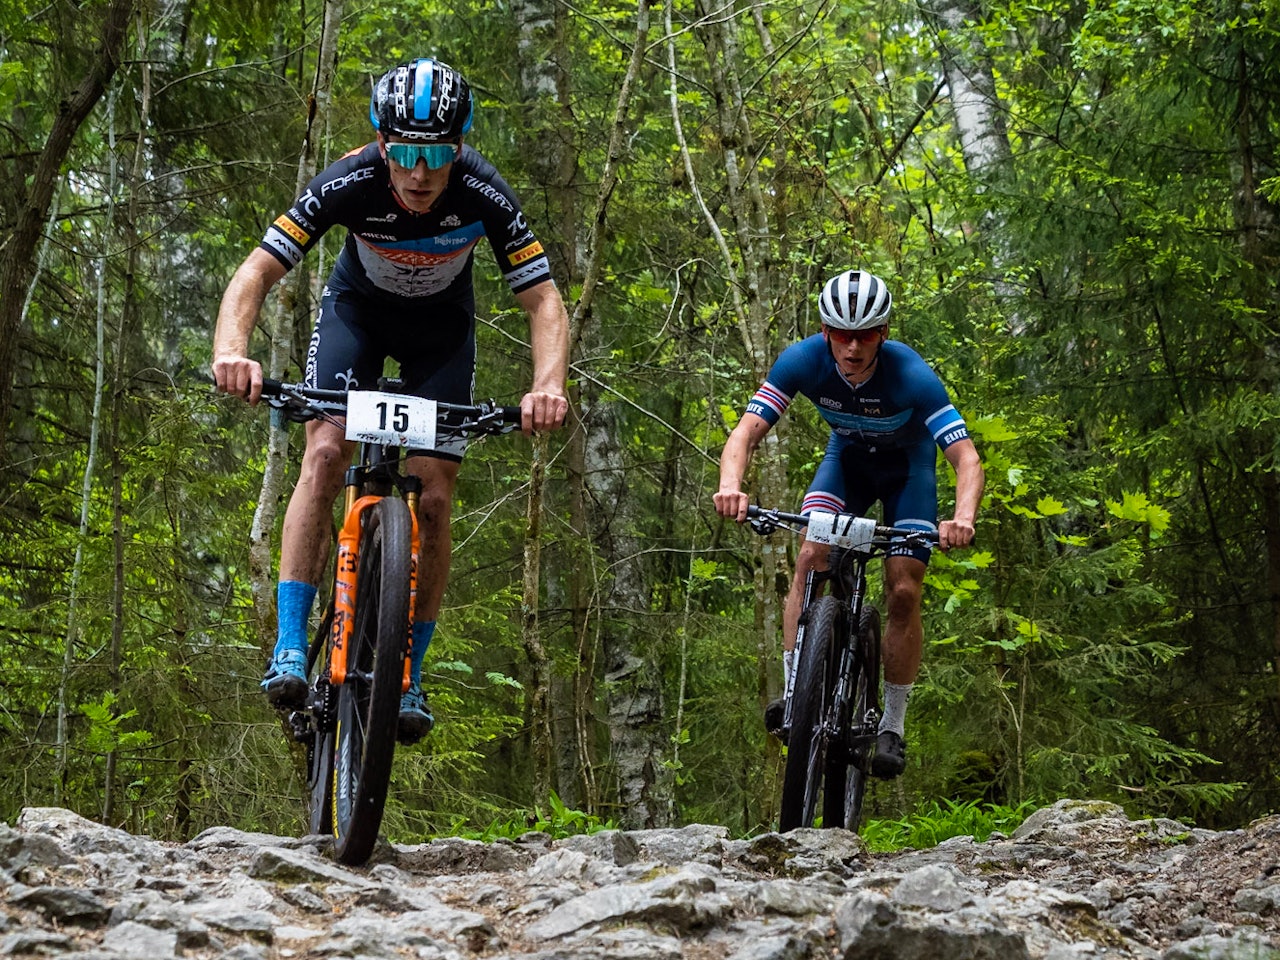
888	413
415	203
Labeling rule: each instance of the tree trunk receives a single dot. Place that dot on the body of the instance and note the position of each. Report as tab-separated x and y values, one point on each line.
540	45
979	116
283	335
530	632
1255	220
17	252
633	684
755	307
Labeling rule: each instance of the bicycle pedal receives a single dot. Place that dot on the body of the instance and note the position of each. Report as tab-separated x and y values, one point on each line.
300	727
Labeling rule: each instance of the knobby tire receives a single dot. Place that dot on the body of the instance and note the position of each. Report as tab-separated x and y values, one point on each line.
320	758
848	771
369	700
810	697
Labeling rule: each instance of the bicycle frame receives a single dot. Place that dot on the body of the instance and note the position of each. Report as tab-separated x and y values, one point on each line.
349	723
846	568
847	573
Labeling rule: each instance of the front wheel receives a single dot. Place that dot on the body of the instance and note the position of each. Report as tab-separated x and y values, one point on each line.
320	746
810	700
847	777
369	699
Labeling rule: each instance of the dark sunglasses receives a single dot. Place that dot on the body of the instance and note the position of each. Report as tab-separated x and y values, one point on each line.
846	337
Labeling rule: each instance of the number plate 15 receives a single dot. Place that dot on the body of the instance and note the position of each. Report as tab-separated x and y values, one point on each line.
840	530
391	418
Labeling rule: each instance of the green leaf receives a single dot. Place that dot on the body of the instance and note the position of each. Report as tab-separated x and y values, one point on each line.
1137	507
1050	506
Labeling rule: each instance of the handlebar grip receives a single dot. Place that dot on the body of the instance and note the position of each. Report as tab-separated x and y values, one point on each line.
509	415
271	388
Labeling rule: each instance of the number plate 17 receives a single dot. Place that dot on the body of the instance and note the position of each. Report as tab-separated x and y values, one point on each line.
391	418
840	530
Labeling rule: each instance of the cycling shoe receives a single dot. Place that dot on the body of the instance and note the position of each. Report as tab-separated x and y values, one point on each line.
285	682
415	716
890	758
774	714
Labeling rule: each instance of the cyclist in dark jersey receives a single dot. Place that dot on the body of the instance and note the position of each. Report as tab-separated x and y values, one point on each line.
415	203
888	414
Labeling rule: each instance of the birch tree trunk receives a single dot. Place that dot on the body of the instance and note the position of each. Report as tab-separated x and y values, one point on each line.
130	320
540	46
752	293
979	115
633	692
979	120
290	313
86	502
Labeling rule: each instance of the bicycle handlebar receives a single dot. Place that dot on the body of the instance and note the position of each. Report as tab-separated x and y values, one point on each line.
301	403
765	521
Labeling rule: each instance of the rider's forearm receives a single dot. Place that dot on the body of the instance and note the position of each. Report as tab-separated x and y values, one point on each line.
736	455
548	337
970	480
242	303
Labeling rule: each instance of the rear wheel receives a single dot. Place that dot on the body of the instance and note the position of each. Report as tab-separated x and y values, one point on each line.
369	699
810	697
847	777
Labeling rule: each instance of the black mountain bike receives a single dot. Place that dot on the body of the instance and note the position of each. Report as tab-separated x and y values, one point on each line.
833	712
358	659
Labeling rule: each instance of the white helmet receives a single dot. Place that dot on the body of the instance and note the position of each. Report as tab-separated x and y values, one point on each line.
855	300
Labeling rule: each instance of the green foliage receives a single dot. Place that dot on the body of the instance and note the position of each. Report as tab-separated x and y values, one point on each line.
932	822
1104	312
557	821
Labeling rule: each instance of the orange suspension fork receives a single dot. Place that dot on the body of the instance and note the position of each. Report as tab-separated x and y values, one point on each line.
345	585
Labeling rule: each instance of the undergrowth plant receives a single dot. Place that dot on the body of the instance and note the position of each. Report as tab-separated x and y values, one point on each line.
558	822
934	822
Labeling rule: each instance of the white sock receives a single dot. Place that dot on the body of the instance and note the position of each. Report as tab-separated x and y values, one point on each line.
896	696
788	671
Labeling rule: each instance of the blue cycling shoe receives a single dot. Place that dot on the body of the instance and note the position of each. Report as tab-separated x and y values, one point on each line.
415	716
285	682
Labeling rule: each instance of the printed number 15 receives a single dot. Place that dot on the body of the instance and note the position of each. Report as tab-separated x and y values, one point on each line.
399	416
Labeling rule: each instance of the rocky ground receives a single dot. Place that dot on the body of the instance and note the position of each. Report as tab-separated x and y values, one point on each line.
1076	880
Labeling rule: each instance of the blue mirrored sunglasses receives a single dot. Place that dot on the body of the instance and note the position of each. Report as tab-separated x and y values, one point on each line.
436	155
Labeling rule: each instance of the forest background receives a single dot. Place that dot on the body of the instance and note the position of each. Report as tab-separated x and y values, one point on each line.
1073	202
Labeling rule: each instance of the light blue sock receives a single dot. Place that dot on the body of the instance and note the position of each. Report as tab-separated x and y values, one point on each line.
293	609
423	630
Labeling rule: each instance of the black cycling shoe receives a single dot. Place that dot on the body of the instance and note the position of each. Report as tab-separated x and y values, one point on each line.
774	714
890	758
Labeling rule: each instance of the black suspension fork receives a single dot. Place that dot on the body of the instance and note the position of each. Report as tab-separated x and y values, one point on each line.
849	571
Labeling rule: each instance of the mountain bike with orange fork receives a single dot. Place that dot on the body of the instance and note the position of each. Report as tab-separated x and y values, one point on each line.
358	660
